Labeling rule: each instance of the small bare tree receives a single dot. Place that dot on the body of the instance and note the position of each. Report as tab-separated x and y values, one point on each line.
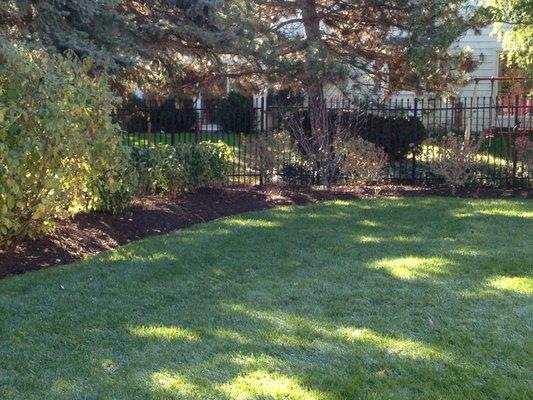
455	160
318	129
524	152
362	162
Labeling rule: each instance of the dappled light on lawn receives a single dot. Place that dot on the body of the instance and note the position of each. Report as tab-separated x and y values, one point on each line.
269	385
414	267
164	333
517	284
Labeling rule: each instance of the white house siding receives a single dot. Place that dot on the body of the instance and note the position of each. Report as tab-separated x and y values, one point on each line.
489	45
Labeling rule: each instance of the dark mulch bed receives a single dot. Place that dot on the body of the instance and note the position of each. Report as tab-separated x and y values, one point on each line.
91	233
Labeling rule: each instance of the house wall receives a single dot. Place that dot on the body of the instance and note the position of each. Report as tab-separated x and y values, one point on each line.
489	45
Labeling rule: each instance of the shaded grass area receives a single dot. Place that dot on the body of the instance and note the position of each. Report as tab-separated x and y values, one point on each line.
377	299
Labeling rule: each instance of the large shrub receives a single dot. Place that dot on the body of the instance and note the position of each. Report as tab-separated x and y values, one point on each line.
58	147
204	164
114	183
174	116
235	113
149	169
170	115
396	135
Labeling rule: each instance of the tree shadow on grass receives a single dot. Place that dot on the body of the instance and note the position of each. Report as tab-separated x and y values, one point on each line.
383	299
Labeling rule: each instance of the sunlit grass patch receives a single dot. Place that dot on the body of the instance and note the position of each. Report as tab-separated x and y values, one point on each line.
517	284
267	385
414	267
164	333
171	383
399	347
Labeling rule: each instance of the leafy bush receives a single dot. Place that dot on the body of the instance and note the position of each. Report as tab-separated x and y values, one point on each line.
57	142
454	161
186	167
236	113
204	164
396	135
362	161
116	184
159	170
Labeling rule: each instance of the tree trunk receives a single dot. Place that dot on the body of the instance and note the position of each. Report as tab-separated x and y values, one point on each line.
313	77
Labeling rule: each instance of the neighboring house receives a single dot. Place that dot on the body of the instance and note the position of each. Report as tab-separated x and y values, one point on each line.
486	50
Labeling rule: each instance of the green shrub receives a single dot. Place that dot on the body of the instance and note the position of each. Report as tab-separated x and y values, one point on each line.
186	167
235	113
396	135
174	116
148	167
57	141
204	165
116	183
171	115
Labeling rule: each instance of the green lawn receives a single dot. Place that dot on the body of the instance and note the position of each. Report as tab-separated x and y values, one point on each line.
141	138
373	299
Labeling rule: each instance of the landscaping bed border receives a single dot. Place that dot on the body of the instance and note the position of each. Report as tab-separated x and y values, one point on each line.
90	233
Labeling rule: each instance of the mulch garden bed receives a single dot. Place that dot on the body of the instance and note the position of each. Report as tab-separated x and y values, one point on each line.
90	233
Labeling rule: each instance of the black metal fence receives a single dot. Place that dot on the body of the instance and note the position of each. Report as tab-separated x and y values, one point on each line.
398	125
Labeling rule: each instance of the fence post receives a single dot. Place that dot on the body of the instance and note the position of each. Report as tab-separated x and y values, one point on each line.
149	133
512	139
173	124
197	131
261	132
415	141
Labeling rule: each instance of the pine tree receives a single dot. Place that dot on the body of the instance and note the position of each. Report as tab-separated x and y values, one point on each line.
148	42
402	44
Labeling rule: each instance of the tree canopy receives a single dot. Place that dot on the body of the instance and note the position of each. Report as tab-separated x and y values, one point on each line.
403	44
153	42
514	23
165	44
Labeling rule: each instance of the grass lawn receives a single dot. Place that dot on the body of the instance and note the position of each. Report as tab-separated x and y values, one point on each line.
374	299
233	140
